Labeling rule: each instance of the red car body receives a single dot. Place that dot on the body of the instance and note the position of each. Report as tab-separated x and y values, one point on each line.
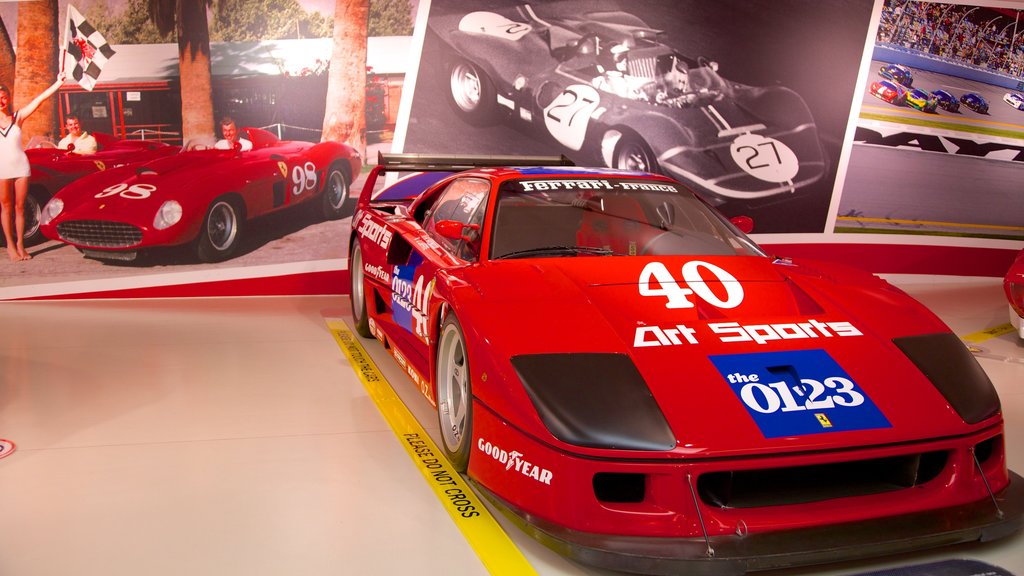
889	92
621	370
53	169
211	195
1013	284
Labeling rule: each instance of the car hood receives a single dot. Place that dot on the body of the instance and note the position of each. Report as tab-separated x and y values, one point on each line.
712	367
132	192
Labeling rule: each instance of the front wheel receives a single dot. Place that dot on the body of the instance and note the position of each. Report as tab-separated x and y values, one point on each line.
357	293
471	93
33	210
336	202
454	394
221	232
632	153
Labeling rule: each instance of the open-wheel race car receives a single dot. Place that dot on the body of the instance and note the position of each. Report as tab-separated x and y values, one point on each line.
621	370
606	82
54	168
202	197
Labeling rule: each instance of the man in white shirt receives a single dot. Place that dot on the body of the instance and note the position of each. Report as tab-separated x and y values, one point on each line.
230	136
83	142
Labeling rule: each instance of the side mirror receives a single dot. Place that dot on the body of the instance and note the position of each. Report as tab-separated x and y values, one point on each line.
454	230
744	223
236	146
71	147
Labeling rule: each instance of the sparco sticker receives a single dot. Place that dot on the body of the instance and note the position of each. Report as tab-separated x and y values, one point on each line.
798	392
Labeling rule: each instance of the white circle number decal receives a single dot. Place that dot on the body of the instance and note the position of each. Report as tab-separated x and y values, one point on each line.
678	297
303	178
133	192
765	158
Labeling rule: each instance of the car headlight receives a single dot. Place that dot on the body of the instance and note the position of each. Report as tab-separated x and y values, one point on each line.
54	207
168	215
594	400
952	369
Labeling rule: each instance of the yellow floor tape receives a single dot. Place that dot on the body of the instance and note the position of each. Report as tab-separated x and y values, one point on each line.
487	538
995	332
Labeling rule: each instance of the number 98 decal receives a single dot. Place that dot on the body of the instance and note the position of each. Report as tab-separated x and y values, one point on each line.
133	192
303	178
798	392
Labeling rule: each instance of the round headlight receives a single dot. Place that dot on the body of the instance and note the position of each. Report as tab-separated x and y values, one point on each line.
168	215
54	207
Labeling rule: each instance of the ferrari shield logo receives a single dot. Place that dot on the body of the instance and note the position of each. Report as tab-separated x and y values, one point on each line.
283	168
100	165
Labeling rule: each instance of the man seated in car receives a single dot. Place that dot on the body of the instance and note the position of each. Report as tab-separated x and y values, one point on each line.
231	135
82	142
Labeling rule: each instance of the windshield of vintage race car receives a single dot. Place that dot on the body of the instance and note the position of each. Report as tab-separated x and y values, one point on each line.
608	217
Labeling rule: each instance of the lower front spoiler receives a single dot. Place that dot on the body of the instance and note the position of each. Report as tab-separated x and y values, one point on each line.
975	522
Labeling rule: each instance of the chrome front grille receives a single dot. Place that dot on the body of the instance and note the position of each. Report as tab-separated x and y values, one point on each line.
99	233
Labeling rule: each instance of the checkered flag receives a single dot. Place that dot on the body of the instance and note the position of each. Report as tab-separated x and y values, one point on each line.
88	48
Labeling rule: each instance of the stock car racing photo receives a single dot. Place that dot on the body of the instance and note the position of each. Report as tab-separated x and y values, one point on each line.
975	102
54	168
203	198
1014	99
621	370
898	73
888	91
607	82
946	100
921	100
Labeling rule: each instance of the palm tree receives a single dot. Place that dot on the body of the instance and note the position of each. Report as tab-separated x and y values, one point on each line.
37	64
346	84
188	19
6	57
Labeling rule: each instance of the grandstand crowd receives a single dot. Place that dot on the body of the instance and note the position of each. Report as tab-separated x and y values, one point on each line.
990	38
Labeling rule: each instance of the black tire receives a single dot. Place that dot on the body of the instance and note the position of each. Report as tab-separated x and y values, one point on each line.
33	210
454	394
632	153
221	232
335	200
357	291
471	93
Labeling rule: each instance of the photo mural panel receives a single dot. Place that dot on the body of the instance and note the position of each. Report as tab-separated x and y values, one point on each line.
747	102
158	206
939	144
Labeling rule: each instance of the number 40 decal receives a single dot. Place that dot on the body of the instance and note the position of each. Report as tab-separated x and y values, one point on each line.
679	297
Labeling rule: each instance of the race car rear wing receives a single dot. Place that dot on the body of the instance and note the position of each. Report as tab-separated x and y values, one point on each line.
454	163
388	162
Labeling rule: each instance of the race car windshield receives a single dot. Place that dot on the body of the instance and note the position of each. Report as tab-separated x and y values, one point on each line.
608	217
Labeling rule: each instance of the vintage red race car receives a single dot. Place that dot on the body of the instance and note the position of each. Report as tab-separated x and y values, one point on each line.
618	367
202	197
1013	284
53	169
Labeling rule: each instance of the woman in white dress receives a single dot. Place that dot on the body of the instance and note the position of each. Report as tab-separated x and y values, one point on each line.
15	170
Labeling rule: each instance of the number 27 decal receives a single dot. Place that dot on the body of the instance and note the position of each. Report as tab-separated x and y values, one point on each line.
568	115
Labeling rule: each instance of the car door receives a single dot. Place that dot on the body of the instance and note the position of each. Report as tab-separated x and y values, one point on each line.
415	264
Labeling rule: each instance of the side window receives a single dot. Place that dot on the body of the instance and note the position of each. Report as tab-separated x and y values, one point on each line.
465	201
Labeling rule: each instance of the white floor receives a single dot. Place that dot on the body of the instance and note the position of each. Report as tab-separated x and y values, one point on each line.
231	437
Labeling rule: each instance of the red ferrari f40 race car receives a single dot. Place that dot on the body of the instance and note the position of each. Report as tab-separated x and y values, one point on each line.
620	369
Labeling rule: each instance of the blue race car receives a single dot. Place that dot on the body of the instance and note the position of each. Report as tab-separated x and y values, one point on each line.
897	73
975	102
946	101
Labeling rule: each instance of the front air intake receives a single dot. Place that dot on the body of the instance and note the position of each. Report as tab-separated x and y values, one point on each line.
804	484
